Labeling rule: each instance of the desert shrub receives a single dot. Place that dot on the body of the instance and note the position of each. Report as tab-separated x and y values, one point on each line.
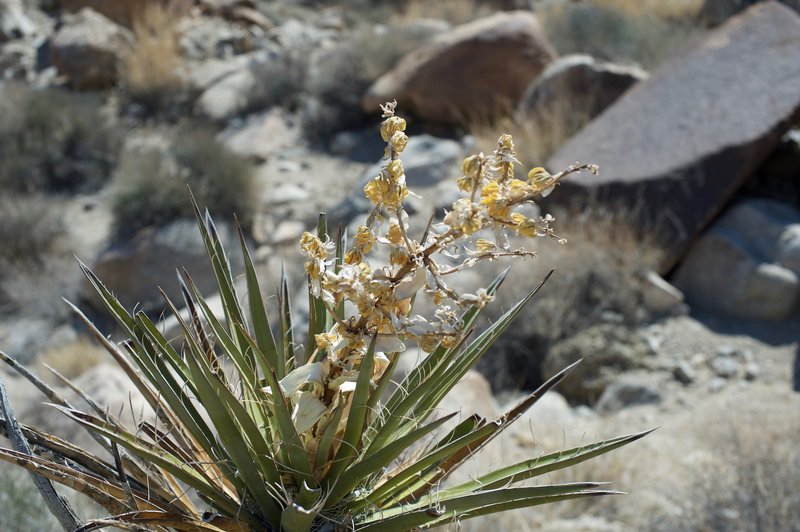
277	430
606	31
54	140
71	359
453	11
30	228
280	82
150	69
151	184
752	487
598	279
541	133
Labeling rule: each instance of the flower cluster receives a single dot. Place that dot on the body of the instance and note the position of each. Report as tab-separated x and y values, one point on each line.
374	302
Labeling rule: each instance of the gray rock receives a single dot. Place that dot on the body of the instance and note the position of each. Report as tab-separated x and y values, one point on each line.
751	371
260	136
678	145
288	231
576	84
237	91
87	49
684	373
787	253
211	37
474	70
607	352
14	21
727	270
725	367
659	296
715	12
134	269
717	384
627	392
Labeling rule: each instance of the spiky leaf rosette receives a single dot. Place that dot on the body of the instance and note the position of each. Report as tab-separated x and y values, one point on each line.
273	430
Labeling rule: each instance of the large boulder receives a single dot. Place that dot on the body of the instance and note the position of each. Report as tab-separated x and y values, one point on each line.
715	12
577	84
134	270
677	146
473	71
87	49
746	265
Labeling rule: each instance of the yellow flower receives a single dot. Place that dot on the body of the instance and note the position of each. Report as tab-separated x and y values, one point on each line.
484	246
465	184
517	218
496	205
518	189
354	256
472	165
528	228
394	234
395	169
398	141
364	239
377	190
505	142
390	126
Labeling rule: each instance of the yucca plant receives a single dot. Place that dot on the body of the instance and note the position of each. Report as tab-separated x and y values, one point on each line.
257	428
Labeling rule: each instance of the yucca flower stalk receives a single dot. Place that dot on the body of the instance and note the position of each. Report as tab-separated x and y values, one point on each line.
257	427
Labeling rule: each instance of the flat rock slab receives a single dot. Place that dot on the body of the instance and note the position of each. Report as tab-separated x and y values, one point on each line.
677	146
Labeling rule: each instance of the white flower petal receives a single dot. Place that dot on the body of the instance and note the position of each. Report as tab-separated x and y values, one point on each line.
309	373
410	286
308	410
389	343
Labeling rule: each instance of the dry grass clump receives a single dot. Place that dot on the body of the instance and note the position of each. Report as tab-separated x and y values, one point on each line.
150	69
151	185
30	228
54	141
751	486
541	134
71	360
598	279
622	30
453	11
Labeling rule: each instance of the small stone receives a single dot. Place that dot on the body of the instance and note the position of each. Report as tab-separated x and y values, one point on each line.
344	142
717	384
751	371
654	342
627	392
659	296
726	351
684	373
725	367
288	193
287	166
287	231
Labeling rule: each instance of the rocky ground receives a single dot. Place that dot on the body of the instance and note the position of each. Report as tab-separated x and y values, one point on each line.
679	287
